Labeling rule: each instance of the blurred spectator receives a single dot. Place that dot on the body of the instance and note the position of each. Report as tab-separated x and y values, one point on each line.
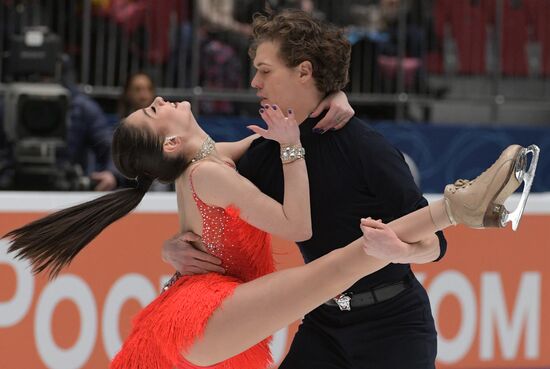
224	51
224	48
388	46
374	32
88	133
218	17
308	6
158	19
138	93
376	28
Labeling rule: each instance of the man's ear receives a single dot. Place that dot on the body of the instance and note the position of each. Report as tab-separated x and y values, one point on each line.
171	144
306	70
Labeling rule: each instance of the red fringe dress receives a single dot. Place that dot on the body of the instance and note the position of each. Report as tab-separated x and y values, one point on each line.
171	323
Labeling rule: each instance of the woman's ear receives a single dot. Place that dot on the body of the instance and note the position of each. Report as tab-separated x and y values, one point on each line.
171	144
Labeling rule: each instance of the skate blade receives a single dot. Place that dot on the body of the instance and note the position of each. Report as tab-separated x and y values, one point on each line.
527	177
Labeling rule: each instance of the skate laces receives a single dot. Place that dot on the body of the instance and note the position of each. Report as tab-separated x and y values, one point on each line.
461	183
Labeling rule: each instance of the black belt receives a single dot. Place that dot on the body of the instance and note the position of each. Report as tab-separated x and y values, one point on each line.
349	300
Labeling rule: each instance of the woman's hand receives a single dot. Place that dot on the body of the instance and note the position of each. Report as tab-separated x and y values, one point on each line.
338	114
380	241
282	129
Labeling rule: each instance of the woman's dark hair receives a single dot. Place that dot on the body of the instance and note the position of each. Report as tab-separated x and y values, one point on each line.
53	241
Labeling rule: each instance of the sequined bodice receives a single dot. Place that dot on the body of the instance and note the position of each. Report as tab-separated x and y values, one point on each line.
245	250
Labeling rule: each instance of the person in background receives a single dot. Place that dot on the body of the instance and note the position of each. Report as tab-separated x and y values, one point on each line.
138	93
88	143
89	136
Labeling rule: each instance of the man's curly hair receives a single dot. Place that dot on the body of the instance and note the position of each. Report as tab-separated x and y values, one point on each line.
303	38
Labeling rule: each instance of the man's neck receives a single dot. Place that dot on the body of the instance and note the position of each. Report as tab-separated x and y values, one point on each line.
306	107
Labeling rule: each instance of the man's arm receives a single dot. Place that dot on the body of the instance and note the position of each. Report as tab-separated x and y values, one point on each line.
186	253
389	178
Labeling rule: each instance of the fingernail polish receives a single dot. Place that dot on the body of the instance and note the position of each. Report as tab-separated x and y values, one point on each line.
318	131
262	111
274	107
289	111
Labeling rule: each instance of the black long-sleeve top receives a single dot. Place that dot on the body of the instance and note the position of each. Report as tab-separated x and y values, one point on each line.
353	173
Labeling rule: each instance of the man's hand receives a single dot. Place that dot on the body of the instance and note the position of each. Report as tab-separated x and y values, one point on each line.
380	241
186	253
106	181
338	115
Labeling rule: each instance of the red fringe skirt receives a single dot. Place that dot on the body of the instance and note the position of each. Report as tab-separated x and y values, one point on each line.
169	325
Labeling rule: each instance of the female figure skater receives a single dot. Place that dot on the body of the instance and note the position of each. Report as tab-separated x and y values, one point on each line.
224	321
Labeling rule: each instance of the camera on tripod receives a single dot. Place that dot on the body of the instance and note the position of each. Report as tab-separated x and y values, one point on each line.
36	115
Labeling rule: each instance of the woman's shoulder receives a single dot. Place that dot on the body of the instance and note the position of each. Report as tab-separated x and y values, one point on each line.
211	169
216	183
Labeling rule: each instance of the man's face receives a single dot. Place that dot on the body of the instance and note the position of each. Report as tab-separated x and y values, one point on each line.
274	81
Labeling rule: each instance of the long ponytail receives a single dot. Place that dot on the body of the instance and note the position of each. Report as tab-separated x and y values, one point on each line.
53	242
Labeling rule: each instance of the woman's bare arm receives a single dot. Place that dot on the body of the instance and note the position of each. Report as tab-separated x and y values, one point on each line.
234	150
220	185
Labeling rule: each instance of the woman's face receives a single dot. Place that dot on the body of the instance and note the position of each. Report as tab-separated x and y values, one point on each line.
140	92
164	118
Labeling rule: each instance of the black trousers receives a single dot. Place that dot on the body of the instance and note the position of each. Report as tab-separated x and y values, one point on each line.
398	333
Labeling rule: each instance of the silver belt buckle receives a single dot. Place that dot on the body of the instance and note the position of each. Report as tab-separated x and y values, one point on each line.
343	301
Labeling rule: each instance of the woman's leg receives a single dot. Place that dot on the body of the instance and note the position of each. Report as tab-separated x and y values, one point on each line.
421	223
478	203
259	308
